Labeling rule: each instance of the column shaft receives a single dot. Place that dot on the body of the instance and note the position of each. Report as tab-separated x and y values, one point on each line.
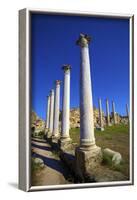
107	112
56	109
51	111
100	114
113	112
86	106
66	104
88	155
48	109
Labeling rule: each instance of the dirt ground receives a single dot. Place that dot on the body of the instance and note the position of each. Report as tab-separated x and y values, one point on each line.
54	172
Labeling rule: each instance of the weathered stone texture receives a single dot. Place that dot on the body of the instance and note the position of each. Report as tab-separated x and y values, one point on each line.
87	161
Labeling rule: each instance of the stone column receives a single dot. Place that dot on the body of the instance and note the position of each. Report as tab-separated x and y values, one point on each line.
47	115
87	152
113	112
127	111
56	109
65	138
51	113
107	113
100	115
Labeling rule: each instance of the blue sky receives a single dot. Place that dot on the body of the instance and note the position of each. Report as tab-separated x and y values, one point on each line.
53	43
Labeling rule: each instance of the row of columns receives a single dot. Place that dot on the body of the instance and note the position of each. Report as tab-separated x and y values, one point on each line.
108	113
87	155
86	104
87	137
53	108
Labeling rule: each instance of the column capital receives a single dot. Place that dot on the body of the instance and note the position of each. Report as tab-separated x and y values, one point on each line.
83	40
66	67
57	82
51	92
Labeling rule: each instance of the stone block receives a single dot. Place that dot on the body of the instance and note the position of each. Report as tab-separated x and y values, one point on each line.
100	129
65	143
115	156
87	161
54	142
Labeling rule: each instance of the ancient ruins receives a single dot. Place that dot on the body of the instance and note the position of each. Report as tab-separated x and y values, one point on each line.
85	159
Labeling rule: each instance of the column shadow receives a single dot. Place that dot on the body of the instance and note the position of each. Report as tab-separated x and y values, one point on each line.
42	147
55	164
35	140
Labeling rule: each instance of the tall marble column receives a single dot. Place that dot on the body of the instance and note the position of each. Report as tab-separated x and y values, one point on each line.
87	152
51	112
100	115
66	105
87	137
56	109
47	115
113	112
107	113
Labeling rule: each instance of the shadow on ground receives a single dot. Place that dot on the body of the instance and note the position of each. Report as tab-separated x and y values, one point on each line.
41	147
56	165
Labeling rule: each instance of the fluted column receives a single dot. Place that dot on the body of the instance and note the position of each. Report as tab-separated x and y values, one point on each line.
113	112
87	137
107	113
100	115
88	155
66	104
48	109
51	111
56	109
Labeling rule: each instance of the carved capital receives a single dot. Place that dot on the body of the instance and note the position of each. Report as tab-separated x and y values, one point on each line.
51	92
83	40
57	82
66	67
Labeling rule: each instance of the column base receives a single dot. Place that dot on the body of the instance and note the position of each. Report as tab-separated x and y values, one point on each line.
54	142
55	138
87	159
64	142
46	131
49	135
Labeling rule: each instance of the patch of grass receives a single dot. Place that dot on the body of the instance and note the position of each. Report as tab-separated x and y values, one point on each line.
107	133
108	137
107	160
122	167
75	135
119	128
115	137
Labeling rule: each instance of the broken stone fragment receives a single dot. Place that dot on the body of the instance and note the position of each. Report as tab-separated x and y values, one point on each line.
115	156
39	162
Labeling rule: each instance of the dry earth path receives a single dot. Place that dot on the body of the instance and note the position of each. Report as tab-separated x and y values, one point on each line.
54	171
